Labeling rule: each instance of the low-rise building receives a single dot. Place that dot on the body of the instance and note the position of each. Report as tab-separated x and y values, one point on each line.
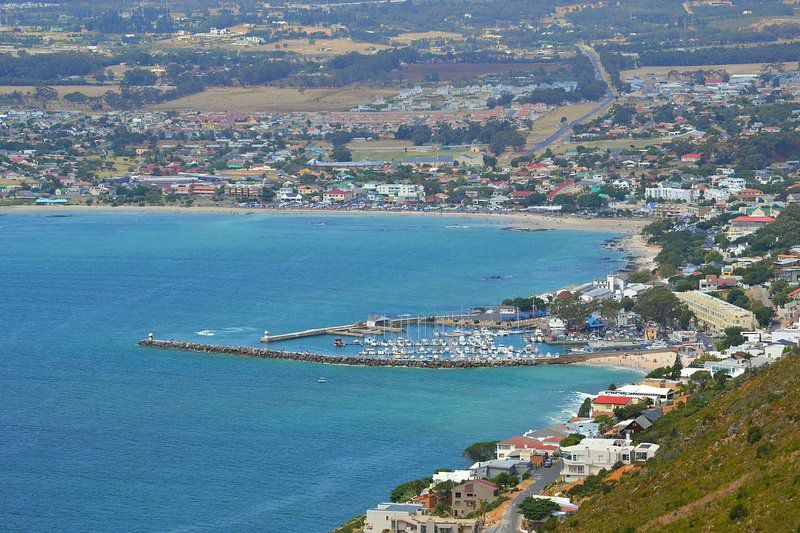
591	456
490	469
380	518
467	497
717	314
435	524
605	404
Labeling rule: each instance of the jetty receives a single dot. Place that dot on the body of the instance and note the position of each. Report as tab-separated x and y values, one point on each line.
378	326
350	360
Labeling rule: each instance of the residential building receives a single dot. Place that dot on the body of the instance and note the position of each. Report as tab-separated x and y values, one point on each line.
244	190
489	469
467	497
643	392
380	518
456	476
591	456
717	314
584	426
435	524
672	194
746	225
401	191
337	195
605	404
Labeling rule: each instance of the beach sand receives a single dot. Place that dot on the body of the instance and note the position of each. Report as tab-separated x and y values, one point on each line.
514	219
637	362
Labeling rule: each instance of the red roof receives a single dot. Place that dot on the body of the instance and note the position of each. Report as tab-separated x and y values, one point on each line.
469	484
522	442
795	293
743	218
612	400
691	156
336	191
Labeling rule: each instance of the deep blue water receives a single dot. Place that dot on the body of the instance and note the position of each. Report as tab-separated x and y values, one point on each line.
98	434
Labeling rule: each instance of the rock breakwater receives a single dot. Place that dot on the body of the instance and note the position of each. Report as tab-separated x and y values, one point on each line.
349	360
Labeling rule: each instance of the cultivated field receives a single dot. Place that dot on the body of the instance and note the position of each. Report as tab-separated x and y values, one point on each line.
736	68
321	46
614	143
88	90
394	150
449	71
408	38
305	46
275	99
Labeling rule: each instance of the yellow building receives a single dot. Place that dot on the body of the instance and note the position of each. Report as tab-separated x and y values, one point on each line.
717	314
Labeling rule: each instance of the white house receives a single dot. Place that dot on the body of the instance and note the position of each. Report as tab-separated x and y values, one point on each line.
591	456
401	191
656	394
380	518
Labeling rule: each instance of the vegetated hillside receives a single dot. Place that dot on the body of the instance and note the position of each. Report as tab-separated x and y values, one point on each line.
730	461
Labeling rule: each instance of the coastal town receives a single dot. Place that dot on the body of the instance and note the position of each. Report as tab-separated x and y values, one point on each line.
674	128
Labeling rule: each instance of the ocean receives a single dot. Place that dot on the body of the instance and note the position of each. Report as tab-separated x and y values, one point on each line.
99	434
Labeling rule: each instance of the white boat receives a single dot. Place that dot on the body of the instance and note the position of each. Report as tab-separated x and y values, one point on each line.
321	380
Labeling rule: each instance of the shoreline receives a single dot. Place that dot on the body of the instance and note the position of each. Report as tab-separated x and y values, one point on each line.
639	254
642	363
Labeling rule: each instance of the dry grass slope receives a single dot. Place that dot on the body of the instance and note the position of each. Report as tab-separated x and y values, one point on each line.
730	465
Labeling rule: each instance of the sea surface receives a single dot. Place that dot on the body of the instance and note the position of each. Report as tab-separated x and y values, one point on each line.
99	434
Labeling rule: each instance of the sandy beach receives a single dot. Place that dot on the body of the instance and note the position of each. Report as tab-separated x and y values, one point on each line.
643	363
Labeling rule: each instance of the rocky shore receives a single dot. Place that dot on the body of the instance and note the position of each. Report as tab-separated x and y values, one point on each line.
347	360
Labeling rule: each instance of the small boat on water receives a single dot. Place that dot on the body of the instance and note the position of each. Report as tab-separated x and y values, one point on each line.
321	380
338	343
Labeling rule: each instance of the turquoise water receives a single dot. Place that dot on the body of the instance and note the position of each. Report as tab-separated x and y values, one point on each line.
99	434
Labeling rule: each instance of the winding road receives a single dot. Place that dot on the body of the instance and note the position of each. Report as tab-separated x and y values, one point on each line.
542	478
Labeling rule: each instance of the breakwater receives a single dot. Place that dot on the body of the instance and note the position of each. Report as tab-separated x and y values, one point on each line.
349	360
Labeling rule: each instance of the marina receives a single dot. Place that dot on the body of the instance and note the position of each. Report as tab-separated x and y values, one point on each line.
358	360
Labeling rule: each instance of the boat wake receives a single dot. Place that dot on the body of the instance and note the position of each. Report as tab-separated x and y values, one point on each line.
225	331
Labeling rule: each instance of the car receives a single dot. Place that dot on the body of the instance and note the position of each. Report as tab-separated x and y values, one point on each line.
548	462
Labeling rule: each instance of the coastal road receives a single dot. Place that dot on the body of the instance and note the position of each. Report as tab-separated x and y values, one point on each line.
542	478
601	107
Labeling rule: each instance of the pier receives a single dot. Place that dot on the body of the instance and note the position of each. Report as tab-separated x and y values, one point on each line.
357	329
347	360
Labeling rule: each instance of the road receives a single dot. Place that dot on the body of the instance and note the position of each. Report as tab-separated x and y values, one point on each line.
601	107
542	478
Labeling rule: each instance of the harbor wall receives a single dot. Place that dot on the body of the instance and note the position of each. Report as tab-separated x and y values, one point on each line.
349	360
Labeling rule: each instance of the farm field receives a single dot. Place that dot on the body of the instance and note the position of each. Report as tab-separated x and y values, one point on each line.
614	143
88	90
449	71
393	150
740	68
305	46
410	37
274	99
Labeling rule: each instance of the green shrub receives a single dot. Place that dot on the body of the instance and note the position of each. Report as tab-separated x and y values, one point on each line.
753	435
737	512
